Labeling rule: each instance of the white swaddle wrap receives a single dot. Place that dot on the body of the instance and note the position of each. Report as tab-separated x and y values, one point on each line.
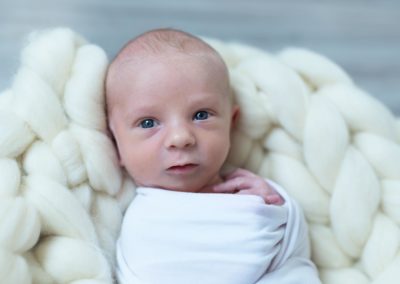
176	237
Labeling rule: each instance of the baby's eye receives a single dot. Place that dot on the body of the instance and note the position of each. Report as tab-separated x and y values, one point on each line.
201	115
147	123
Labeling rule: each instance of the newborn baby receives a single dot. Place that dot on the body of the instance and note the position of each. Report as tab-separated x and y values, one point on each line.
171	113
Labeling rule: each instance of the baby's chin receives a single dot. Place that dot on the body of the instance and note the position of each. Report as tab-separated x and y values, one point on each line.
188	184
189	188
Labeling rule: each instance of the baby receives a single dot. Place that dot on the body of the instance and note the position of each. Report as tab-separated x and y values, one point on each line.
171	112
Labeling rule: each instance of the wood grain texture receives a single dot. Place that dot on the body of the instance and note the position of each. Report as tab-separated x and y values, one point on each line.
361	36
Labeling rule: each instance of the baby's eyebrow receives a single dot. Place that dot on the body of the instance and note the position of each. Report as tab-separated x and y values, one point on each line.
206	98
141	111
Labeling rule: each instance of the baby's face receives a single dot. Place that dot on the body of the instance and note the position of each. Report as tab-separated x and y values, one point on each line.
172	122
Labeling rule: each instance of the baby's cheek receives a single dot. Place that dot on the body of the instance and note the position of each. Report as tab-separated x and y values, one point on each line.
134	162
219	152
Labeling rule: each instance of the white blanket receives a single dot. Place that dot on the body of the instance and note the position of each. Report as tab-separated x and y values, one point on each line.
174	237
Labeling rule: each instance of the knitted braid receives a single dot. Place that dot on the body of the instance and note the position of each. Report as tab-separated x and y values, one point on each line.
59	215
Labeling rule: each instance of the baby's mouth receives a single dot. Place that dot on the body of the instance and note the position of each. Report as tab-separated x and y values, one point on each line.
185	168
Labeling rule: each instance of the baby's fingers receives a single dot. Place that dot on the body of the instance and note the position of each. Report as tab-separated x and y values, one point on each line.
239	172
269	198
232	185
274	198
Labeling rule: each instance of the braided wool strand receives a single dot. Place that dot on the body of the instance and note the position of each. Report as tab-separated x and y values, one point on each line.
59	175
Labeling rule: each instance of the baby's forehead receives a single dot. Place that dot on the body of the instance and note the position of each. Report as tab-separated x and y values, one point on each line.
135	66
161	45
137	78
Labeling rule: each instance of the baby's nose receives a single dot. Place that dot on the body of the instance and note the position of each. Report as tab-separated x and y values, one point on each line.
180	137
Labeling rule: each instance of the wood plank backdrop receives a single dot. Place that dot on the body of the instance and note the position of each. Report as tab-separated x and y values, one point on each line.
361	36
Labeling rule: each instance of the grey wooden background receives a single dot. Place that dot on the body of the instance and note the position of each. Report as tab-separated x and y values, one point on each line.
360	35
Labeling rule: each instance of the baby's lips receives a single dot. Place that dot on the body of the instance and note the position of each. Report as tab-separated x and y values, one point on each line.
183	169
182	166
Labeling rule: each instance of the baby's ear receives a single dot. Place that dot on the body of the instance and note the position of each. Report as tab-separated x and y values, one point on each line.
110	134
235	115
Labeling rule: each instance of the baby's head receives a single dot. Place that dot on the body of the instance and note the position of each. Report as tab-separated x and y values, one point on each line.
170	110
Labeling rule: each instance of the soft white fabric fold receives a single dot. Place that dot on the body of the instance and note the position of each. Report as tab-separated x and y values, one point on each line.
176	237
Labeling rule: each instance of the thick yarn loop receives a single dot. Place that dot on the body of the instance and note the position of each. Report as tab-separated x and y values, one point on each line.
40	160
354	202
279	141
14	268
15	135
391	199
257	121
381	153
102	170
382	245
59	210
90	64
361	111
20	225
42	54
315	69
38	105
294	176
284	93
10	178
83	259
325	147
343	276
326	249
67	150
303	123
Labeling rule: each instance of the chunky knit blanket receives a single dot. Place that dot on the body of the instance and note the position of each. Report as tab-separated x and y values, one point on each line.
303	123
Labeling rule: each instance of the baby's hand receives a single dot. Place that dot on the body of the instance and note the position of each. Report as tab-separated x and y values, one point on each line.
241	181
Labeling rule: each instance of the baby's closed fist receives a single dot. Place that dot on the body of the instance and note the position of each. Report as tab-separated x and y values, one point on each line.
241	181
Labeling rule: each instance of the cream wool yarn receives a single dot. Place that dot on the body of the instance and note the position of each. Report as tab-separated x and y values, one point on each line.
59	175
303	123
